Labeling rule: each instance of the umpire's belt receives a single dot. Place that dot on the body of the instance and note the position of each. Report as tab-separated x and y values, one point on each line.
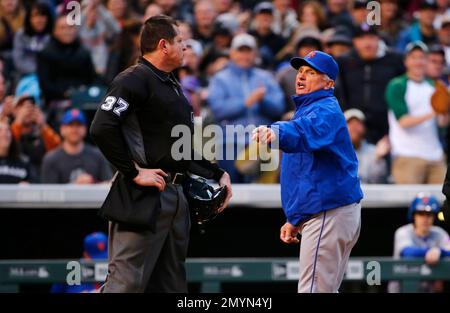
175	178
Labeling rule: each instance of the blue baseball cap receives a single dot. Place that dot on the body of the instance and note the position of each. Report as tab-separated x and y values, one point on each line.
73	115
320	61
96	245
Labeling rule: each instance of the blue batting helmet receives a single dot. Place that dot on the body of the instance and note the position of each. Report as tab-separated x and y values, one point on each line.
423	202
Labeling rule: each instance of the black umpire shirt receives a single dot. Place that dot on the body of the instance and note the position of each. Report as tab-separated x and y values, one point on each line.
135	121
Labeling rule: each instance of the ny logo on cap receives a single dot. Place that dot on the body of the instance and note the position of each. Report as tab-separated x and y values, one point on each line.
311	54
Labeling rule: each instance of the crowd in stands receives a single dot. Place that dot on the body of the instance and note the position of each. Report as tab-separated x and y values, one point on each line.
236	72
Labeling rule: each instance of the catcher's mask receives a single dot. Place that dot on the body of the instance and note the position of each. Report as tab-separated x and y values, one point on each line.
203	199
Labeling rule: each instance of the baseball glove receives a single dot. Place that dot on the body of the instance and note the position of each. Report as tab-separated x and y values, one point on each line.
440	100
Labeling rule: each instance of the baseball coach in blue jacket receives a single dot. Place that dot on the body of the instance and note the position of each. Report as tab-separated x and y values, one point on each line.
320	188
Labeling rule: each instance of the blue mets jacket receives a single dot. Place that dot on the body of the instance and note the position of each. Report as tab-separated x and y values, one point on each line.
319	165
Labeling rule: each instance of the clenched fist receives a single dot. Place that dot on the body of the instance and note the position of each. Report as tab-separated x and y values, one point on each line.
263	134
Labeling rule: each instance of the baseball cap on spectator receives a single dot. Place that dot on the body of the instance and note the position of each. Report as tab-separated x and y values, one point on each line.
340	36
360	4
29	85
416	45
319	61
73	115
21	100
310	42
445	21
354	113
437	48
243	40
309	36
263	7
365	29
228	20
220	29
428	4
96	245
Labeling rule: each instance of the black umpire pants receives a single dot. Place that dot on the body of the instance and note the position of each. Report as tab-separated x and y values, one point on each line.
143	261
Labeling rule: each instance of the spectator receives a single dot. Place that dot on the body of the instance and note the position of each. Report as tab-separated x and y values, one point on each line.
391	24
222	37
312	14
436	64
312	20
337	14
75	162
269	43
34	135
139	6
359	12
98	30
152	10
417	153
189	74
64	65
121	11
13	168
223	6
6	102
185	30
364	74
286	75
285	19
169	7
12	16
444	38
204	14
213	63
339	43
423	30
32	38
436	72
410	8
421	239
442	12
372	165
95	248
243	95
237	22
125	51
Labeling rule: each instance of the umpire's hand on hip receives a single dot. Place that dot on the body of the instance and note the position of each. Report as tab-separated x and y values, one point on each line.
225	181
151	177
288	233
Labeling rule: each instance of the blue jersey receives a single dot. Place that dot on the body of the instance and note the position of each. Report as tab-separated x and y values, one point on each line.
408	244
319	168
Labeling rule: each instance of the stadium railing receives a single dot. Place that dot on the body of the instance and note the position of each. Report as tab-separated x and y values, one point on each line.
268	195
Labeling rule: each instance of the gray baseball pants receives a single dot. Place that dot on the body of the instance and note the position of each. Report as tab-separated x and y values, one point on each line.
326	242
143	261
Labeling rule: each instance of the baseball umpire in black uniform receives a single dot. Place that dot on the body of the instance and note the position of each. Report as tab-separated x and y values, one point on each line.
148	212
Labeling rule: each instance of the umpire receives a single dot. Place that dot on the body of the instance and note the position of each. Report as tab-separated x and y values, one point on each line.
148	212
320	188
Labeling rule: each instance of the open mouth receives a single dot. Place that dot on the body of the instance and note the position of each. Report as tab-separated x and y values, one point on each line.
301	86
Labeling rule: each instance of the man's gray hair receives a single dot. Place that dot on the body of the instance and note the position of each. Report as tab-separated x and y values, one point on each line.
326	77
